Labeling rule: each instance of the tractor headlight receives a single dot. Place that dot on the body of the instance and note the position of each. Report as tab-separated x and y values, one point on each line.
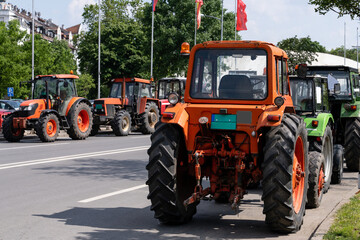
29	107
173	98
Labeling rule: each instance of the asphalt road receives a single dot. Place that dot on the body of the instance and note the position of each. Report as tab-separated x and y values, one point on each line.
95	189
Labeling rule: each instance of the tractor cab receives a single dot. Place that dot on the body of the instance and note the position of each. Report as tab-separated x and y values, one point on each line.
58	90
165	86
309	94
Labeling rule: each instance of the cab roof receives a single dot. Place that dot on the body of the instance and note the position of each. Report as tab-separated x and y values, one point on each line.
58	76
242	44
140	80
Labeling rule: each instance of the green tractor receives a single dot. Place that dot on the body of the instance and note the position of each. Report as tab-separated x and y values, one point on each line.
344	98
310	98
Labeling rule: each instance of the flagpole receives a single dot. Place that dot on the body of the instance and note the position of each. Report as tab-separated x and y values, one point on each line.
152	43
235	17
195	22
99	50
222	20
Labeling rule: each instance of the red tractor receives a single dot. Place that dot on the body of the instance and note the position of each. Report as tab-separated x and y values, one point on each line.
130	106
55	105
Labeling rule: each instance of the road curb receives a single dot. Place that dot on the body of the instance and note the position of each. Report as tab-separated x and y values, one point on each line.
325	225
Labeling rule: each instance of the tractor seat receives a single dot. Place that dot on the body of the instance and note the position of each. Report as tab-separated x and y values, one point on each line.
235	87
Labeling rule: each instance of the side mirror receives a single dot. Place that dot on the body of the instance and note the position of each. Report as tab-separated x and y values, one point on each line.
337	88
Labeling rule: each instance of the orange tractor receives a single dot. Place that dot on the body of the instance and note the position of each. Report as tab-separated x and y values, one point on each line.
55	105
130	106
236	127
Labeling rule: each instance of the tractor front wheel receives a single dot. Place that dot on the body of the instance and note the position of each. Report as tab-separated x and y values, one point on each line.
285	174
169	182
352	143
80	119
316	179
121	123
48	128
149	118
11	134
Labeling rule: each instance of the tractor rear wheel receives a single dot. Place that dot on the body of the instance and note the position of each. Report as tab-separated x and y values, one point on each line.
338	166
352	143
48	128
285	174
169	182
316	179
149	118
326	148
121	124
12	134
80	120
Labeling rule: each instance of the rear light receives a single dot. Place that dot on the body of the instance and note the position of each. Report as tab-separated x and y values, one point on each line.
349	107
168	115
318	139
273	118
315	123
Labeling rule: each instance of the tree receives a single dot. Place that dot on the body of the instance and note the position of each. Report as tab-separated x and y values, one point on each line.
174	24
15	58
350	53
341	7
122	41
13	69
300	50
85	84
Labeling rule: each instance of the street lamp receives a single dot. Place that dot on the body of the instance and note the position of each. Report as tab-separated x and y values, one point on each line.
220	19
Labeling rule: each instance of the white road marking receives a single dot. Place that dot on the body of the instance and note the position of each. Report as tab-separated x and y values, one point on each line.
70	157
32	146
112	194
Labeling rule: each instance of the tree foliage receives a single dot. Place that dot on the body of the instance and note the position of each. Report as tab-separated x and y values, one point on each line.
175	24
350	53
85	84
126	36
341	7
15	58
300	50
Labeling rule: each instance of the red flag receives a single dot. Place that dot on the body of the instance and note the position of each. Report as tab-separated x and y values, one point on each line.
154	4
198	14
241	16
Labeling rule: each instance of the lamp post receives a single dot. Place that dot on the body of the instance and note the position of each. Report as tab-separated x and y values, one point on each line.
32	51
220	19
99	49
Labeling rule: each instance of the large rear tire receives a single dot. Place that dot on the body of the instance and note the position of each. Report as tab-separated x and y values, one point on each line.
121	124
352	143
80	120
338	166
11	134
149	118
48	128
285	174
169	183
325	147
316	179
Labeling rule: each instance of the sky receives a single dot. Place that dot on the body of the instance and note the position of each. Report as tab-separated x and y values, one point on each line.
268	20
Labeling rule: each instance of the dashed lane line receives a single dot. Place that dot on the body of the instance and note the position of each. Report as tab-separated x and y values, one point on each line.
112	194
71	157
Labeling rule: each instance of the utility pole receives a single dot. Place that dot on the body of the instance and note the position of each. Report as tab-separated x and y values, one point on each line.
99	49
32	51
195	23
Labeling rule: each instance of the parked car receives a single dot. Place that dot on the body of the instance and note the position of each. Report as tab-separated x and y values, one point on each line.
3	114
9	105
